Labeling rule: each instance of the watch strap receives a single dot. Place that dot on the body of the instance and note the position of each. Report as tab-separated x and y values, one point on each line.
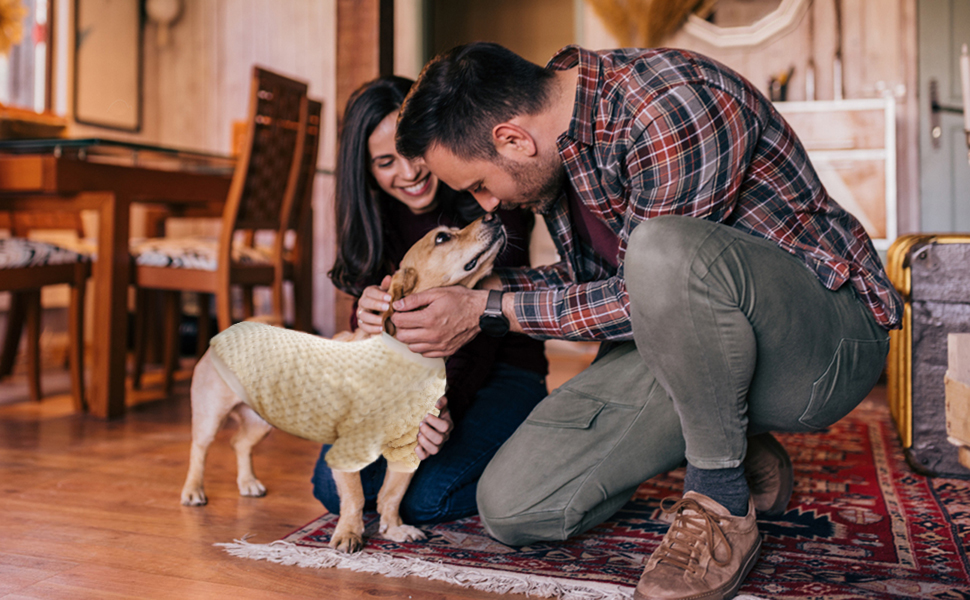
493	306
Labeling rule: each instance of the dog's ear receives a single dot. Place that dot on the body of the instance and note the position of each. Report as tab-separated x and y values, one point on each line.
402	283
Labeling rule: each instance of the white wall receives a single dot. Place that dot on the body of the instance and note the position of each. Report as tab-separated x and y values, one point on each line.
197	85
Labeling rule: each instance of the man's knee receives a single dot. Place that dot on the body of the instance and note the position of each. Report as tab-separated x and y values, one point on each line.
664	240
510	524
514	517
658	263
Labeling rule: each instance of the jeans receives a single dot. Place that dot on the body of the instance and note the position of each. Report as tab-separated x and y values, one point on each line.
733	336
444	486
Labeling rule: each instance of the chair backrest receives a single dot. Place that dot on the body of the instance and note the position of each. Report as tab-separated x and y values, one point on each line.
303	196
266	174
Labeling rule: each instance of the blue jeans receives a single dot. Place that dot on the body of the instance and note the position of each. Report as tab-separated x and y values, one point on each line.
444	486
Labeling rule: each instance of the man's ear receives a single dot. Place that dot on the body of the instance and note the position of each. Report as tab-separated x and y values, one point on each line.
511	138
402	283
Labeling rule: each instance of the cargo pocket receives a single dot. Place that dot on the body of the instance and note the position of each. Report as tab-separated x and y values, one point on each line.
566	411
850	376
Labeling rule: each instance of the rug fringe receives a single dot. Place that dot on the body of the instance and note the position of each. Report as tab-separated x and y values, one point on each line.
500	582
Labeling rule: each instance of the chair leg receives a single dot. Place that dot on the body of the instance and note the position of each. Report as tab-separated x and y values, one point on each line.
76	337
204	328
33	308
303	304
142	306
248	304
173	313
11	338
224	308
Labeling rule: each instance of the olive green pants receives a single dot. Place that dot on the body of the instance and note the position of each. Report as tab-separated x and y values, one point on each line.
733	336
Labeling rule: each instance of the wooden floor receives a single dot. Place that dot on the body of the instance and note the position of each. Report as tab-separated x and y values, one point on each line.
90	509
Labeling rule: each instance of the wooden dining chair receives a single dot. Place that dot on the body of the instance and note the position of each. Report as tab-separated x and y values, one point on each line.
298	260
298	252
261	197
26	266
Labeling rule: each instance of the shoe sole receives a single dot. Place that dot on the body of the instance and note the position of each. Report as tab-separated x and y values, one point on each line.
743	573
732	586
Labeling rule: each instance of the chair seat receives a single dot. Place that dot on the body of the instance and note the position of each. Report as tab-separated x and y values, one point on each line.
19	253
196	253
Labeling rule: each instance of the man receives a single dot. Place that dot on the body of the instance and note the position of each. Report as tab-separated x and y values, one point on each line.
734	296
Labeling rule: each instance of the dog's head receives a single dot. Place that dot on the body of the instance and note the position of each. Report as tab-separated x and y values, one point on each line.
447	256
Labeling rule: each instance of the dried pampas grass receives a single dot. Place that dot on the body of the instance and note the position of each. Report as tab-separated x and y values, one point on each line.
12	13
647	23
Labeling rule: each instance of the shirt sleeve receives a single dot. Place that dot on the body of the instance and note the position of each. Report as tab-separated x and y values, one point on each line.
687	156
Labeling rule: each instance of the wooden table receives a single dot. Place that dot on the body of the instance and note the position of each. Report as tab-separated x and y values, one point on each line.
108	177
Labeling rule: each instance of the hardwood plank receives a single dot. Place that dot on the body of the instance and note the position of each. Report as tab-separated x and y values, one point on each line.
90	509
19	572
94	581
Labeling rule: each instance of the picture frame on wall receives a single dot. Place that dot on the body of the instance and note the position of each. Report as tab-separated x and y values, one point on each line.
108	64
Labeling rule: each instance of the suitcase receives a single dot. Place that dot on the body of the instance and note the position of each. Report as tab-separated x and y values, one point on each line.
958	394
932	273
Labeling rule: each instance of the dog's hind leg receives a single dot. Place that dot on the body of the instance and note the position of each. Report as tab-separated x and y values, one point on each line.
396	480
212	400
348	536
252	430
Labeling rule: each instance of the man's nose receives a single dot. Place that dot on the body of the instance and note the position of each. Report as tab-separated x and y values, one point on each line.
487	201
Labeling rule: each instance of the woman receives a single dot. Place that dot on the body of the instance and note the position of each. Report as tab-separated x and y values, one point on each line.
384	204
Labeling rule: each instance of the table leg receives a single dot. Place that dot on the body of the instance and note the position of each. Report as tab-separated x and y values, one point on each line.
110	331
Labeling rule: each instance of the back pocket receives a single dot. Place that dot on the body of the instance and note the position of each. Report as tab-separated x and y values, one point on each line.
850	376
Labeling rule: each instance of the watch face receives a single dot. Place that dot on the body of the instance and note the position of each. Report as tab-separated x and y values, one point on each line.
493	325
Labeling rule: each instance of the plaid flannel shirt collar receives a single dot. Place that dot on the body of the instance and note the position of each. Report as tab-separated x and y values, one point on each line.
581	125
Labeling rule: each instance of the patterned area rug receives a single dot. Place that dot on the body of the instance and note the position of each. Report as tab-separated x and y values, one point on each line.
861	525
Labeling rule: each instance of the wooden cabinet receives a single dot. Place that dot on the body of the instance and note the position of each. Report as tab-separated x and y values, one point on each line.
852	144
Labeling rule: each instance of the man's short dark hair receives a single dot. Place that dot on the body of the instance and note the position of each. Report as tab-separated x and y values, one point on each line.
462	94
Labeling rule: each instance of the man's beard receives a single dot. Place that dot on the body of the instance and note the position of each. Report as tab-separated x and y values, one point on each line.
542	185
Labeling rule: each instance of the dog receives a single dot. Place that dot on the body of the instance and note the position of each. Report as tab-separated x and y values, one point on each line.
446	256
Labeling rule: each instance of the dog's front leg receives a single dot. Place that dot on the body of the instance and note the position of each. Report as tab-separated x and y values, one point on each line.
396	481
348	535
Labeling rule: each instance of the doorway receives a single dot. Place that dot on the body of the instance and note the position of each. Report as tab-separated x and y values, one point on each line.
944	26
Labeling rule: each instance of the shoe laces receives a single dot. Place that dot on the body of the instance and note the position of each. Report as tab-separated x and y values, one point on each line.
693	529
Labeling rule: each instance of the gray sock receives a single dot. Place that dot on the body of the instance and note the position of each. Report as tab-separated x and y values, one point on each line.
727	487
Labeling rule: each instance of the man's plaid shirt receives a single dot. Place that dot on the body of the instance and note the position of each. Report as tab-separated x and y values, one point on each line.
657	132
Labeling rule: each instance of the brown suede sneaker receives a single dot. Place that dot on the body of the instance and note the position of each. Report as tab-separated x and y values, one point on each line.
705	555
770	475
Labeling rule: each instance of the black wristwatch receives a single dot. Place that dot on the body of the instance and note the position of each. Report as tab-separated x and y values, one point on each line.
492	321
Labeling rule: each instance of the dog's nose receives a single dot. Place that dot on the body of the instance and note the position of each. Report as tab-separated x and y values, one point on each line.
490	217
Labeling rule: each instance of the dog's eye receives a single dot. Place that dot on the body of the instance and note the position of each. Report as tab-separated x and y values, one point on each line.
441	238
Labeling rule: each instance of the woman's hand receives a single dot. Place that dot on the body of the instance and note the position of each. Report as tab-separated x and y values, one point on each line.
434	431
371	306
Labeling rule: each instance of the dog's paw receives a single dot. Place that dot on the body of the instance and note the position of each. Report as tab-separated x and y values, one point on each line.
194	497
347	543
251	487
402	533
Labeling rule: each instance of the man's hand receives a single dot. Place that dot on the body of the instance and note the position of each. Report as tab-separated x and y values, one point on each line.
434	431
437	322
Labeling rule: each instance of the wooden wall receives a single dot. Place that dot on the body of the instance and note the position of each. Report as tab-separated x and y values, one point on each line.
198	84
878	57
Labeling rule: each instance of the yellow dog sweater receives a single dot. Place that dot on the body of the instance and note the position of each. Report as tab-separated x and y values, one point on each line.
365	398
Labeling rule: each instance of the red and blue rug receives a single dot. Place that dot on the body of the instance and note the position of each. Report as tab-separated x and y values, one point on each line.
861	525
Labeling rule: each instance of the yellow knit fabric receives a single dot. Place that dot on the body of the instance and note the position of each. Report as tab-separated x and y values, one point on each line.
365	398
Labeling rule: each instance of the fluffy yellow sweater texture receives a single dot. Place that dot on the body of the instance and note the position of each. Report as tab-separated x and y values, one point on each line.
366	398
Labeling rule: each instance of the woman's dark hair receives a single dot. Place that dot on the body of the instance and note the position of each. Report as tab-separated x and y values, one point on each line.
462	94
361	205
